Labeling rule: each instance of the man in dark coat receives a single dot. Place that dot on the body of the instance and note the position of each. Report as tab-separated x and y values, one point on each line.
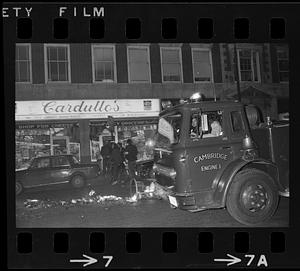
106	153
116	160
131	155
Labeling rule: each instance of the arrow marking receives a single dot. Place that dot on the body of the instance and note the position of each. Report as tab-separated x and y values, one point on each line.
231	261
89	260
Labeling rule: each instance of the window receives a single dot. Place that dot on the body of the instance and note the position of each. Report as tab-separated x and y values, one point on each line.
139	66
57	63
237	122
60	161
202	66
41	163
206	124
283	65
171	64
43	140
103	63
248	63
23	63
169	128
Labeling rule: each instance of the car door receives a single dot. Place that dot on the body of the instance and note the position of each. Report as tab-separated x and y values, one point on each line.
39	173
209	151
60	169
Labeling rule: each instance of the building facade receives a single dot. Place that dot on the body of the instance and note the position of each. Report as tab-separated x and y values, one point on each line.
65	92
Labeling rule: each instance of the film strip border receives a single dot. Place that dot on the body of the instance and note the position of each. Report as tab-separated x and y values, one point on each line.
142	22
165	248
151	248
169	28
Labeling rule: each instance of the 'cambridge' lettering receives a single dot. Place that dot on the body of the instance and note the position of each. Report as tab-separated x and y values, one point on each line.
208	156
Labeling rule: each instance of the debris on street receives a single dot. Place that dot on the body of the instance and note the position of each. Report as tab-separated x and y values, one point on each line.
153	190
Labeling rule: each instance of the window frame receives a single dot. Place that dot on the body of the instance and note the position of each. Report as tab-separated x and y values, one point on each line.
46	45
240	133
148	59
252	65
180	62
211	65
30	63
288	59
93	62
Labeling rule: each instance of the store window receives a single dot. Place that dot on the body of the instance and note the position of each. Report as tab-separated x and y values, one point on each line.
137	130
139	64
23	63
36	140
57	63
103	63
248	64
202	65
171	64
283	65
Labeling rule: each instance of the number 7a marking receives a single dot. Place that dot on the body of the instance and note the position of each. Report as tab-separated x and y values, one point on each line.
109	259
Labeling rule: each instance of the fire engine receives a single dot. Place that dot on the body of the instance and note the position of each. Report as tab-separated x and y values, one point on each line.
219	154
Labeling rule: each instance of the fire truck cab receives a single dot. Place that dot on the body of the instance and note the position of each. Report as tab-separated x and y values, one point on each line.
216	154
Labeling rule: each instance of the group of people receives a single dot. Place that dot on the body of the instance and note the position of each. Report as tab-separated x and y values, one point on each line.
115	155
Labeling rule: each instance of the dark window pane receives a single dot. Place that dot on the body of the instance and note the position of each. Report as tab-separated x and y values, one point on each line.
53	71
52	53
62	53
22	52
24	71
63	71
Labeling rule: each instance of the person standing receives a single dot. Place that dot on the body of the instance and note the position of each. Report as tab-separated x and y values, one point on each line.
116	160
131	156
106	153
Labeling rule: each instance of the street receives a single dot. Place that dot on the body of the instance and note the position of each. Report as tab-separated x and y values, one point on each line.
151	212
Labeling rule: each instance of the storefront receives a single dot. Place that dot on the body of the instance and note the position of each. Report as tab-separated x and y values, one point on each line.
80	127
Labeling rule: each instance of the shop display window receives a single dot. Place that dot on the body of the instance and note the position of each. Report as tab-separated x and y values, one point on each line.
139	133
35	140
138	130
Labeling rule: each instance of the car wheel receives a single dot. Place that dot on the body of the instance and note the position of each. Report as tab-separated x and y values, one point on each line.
78	181
19	188
252	197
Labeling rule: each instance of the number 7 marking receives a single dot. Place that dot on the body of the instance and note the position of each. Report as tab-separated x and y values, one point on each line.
251	256
109	259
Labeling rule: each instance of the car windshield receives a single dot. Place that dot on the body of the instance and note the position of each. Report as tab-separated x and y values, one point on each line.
168	132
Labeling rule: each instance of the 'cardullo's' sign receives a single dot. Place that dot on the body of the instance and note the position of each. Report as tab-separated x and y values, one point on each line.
83	109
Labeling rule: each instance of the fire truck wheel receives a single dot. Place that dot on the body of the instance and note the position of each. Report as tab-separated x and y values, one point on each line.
19	188
252	197
78	181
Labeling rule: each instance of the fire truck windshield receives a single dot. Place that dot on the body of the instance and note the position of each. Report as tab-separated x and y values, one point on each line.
169	127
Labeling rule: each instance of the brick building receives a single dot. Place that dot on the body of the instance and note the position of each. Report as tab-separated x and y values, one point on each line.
65	92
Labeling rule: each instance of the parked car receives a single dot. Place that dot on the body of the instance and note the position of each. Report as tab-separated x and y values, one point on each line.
55	170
